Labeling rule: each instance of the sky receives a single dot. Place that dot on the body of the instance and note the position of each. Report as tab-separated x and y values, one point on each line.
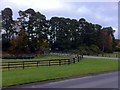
103	12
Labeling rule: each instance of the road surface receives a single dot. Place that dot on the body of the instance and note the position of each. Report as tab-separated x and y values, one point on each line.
106	80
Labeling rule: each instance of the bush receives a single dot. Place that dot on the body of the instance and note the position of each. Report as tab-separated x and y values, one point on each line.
73	51
17	57
94	48
87	50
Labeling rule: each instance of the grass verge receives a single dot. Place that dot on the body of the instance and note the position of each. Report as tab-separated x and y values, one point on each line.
84	67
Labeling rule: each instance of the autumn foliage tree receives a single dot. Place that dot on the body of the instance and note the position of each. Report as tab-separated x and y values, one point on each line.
117	47
19	45
106	39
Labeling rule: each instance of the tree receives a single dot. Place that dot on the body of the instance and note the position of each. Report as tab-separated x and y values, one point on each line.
106	39
35	25
54	27
7	25
19	44
117	48
58	33
7	22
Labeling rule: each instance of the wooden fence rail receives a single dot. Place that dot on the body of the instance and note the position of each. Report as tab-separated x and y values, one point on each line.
37	63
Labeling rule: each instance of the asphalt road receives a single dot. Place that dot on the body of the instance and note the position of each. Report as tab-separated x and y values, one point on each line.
106	80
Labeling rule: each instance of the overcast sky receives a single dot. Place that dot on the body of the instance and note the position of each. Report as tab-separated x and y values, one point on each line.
104	12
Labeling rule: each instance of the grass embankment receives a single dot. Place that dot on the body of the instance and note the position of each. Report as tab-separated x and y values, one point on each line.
84	67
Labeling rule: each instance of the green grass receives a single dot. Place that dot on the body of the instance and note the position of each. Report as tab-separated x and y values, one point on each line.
39	57
84	67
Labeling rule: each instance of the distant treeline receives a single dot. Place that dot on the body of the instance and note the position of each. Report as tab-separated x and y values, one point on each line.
33	33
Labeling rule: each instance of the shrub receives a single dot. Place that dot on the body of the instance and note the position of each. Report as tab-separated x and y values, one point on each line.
93	49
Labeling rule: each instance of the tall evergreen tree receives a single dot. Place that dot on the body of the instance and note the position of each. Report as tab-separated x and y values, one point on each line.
7	25
35	25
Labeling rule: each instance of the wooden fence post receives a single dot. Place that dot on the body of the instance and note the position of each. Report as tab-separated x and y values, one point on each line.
68	61
49	63
37	63
73	60
82	55
59	62
23	65
8	66
78	58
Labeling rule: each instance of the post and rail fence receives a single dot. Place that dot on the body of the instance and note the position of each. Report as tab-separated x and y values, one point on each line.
37	63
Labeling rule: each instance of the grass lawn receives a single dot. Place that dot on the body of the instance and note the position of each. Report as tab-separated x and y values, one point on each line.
40	57
84	67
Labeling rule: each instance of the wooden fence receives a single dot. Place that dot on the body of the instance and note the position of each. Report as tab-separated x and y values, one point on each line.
37	63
